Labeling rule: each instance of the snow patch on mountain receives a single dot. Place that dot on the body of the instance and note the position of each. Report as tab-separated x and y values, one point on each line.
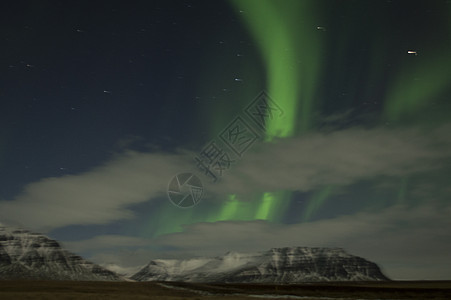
278	265
28	255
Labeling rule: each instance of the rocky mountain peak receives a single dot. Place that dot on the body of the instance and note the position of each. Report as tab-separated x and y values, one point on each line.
277	265
29	255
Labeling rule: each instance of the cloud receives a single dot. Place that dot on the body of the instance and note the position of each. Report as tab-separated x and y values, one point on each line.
339	158
99	196
408	243
102	242
119	252
106	193
124	261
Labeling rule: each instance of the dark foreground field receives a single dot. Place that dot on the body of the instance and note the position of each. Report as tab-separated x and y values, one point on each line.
166	290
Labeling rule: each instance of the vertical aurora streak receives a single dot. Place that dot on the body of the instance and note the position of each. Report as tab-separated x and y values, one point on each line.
402	192
267	202
273	205
291	50
316	201
416	86
290	47
423	78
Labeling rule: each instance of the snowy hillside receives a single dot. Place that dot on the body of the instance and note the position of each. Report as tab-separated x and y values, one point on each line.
278	265
27	255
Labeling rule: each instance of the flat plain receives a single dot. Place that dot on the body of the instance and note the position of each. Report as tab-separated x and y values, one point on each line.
23	289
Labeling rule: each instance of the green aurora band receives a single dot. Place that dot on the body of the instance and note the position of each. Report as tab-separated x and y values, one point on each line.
316	202
290	46
417	85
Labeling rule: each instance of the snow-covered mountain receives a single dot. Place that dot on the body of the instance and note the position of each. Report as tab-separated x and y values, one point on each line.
125	272
27	255
278	265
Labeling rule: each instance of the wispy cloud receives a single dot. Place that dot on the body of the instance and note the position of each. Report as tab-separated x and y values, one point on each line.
106	193
338	158
99	196
408	243
363	230
112	241
400	239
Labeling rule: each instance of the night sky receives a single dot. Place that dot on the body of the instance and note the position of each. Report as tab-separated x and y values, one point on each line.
102	103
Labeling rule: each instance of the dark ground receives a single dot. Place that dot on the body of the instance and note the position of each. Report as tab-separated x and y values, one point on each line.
167	290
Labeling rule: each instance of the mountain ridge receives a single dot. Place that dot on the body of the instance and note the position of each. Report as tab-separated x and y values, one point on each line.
277	265
28	255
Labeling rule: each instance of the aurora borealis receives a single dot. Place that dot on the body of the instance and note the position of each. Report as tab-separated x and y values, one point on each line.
102	104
